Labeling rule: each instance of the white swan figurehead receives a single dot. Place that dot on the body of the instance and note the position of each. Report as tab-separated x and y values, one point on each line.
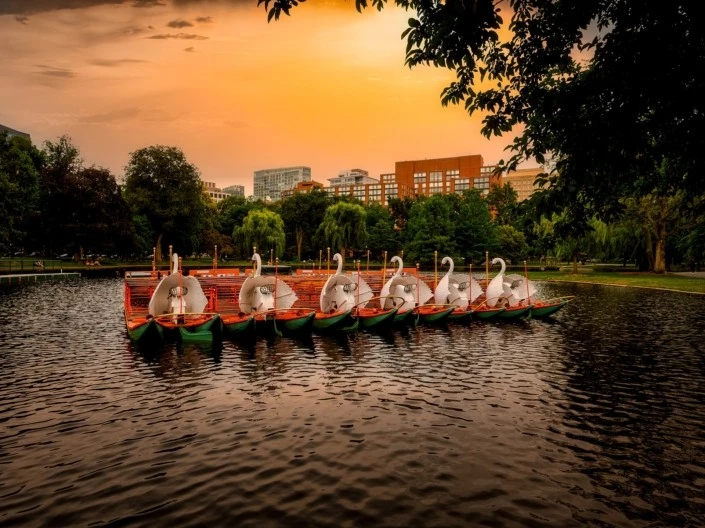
495	290
404	291
452	288
177	294
257	293
338	293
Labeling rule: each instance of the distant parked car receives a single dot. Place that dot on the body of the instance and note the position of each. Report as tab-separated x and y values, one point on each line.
65	256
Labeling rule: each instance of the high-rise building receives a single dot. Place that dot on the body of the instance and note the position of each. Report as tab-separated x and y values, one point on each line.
269	183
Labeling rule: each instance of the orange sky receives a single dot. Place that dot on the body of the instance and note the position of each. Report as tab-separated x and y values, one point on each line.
326	87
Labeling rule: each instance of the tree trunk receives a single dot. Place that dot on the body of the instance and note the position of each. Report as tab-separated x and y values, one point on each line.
660	253
575	263
299	241
158	249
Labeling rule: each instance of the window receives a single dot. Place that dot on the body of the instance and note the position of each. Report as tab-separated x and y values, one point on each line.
419	177
436	176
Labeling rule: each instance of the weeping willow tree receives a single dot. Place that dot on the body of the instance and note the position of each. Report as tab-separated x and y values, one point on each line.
263	229
344	226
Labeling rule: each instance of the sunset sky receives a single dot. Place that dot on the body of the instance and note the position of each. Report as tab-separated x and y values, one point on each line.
325	88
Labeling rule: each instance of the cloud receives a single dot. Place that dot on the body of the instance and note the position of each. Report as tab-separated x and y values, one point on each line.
51	71
110	63
182	36
111	117
179	24
190	49
22	19
204	20
29	7
147	3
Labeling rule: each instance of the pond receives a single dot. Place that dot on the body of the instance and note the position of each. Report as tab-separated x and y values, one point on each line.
596	417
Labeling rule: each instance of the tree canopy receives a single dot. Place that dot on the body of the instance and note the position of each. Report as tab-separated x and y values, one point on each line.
603	92
20	163
263	229
163	187
344	226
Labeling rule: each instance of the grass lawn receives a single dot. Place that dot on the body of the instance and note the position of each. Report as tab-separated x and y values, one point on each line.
685	283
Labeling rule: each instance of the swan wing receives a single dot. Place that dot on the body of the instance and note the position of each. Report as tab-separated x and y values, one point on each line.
364	293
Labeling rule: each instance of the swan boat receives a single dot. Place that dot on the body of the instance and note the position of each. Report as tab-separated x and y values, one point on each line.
271	301
339	296
508	292
176	309
457	290
409	295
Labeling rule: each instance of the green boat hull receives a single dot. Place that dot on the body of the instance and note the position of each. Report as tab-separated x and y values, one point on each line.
241	327
403	317
436	317
301	324
515	313
149	332
545	311
205	333
485	315
375	321
460	316
333	323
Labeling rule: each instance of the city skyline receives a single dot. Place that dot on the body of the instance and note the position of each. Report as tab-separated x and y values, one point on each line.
325	88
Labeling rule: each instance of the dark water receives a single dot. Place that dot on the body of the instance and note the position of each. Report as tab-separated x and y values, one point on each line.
594	419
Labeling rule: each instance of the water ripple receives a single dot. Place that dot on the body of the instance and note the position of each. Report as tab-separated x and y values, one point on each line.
592	419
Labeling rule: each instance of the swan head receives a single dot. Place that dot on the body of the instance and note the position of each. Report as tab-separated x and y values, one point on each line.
401	264
497	260
449	261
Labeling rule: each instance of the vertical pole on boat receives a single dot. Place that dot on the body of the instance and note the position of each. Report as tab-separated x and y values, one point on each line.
358	286
154	261
276	269
320	260
328	262
181	286
384	267
271	255
368	260
526	277
215	257
418	286
487	272
171	253
254	262
435	270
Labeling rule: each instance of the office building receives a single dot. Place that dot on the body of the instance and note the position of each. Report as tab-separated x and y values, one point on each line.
269	183
235	190
522	181
446	175
301	187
